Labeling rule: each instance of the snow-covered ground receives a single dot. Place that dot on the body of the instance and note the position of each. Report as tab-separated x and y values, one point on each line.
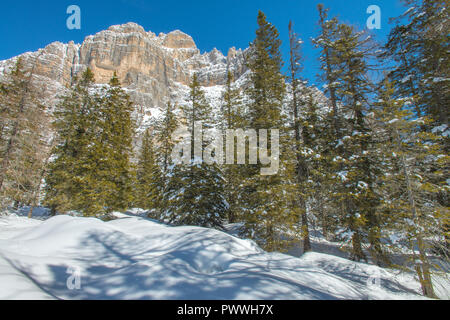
67	257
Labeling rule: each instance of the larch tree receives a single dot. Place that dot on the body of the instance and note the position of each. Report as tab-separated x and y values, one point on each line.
298	100
23	138
412	158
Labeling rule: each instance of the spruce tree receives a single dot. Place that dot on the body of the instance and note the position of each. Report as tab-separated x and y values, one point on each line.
72	181
114	147
317	130
419	45
162	148
353	170
194	193
268	212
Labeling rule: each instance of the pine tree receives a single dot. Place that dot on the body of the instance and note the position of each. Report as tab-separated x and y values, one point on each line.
419	45
92	172
360	197
196	110
317	132
412	159
162	148
194	193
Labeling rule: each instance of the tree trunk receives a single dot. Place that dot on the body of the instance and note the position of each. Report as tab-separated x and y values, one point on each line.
305	232
302	169
7	154
324	221
357	252
422	269
30	212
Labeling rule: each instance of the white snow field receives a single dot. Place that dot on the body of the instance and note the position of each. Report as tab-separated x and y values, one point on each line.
137	258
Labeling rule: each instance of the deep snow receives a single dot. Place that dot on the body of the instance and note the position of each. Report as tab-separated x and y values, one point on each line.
137	258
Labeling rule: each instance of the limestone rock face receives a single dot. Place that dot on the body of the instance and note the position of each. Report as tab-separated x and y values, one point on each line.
178	40
152	68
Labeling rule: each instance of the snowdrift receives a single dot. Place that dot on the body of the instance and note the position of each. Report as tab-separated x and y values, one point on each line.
137	258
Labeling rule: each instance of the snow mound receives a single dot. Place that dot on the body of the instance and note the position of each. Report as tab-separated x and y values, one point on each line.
136	258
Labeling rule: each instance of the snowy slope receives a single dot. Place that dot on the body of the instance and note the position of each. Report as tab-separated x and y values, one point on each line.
136	258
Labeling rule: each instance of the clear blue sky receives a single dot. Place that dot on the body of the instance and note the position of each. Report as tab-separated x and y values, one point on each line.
30	25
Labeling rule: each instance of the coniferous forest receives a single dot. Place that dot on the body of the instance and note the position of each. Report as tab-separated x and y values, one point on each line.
368	166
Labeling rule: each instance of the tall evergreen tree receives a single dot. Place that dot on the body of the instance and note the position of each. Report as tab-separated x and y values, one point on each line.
165	128
72	179
115	145
150	182
91	171
359	201
419	44
345	57
298	90
268	211
420	47
412	158
194	193
326	42
232	117
317	132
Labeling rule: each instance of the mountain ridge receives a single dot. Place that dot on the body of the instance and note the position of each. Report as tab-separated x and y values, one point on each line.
153	69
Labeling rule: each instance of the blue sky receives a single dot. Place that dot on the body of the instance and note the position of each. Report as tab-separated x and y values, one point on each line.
30	25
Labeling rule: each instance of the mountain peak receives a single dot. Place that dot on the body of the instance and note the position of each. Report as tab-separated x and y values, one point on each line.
178	40
152	68
128	27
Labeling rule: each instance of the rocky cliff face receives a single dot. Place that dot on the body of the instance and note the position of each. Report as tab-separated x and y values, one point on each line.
152	68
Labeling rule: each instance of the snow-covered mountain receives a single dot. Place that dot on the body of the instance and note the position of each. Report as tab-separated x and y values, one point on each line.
153	69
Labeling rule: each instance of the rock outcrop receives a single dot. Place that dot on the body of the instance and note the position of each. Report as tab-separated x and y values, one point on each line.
152	68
